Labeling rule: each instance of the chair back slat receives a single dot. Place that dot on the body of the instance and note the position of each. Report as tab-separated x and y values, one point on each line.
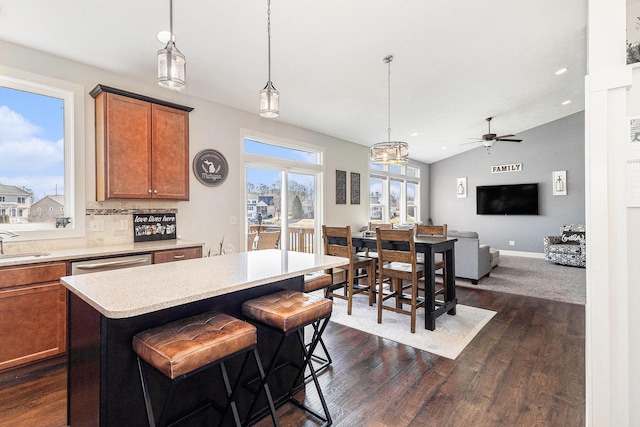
387	238
381	225
337	241
268	240
432	230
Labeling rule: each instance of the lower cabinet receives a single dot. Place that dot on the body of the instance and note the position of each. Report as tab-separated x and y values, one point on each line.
33	313
177	255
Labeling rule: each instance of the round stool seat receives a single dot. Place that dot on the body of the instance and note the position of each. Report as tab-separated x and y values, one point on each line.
287	310
185	345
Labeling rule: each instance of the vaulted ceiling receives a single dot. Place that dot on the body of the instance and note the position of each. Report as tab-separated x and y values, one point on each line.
455	62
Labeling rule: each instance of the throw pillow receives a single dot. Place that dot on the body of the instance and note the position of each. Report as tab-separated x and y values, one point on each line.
573	237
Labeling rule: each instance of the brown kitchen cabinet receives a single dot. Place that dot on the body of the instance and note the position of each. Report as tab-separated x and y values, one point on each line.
142	147
177	255
33	313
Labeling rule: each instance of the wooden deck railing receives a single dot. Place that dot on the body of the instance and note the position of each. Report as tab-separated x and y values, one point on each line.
300	238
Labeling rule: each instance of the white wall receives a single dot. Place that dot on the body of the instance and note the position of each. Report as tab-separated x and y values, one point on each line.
207	215
558	145
612	320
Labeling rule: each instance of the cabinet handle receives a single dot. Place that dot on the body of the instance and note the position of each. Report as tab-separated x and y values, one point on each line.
150	191
178	256
155	191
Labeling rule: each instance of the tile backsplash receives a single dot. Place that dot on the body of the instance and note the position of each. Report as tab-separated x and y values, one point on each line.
103	226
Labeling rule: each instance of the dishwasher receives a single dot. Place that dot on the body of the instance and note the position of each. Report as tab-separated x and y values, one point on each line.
106	264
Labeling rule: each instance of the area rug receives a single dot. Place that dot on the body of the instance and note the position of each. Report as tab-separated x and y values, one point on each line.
534	277
451	336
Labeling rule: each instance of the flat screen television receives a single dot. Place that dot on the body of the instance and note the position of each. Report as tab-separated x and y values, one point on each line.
515	199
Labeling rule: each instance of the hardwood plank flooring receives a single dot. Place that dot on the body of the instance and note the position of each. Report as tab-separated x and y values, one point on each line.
525	368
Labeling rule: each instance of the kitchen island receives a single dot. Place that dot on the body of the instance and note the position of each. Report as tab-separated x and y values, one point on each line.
107	309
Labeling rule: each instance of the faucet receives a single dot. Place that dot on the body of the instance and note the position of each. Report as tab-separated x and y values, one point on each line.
8	233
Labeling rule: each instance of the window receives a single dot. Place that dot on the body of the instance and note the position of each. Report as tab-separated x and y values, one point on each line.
41	136
283	181
394	193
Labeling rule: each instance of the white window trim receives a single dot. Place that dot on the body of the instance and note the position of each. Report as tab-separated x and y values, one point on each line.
74	136
289	166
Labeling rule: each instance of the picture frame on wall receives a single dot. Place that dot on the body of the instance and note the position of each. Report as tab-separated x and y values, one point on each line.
355	188
461	188
341	187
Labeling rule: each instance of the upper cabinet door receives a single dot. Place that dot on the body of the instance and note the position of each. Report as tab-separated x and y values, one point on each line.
170	153
124	151
142	147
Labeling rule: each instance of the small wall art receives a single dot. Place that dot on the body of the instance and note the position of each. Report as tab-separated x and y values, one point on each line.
461	188
341	187
560	183
355	188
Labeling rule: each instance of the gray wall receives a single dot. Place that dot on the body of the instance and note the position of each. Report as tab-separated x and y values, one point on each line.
554	146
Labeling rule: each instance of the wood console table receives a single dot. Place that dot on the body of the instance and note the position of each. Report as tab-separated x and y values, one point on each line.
107	309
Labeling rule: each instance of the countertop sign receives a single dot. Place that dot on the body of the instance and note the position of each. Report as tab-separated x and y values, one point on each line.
210	167
154	226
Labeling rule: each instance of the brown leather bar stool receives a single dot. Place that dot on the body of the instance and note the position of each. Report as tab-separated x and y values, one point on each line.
185	347
314	282
288	312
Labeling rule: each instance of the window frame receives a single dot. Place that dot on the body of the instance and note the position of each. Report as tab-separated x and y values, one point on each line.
72	95
402	176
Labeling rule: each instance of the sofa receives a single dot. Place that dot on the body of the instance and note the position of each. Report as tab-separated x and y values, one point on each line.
473	260
569	248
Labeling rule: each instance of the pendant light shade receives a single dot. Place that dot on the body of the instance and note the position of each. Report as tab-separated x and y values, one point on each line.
172	64
269	96
389	152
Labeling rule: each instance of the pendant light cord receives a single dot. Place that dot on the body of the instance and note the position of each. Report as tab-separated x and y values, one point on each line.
269	35
388	60
171	21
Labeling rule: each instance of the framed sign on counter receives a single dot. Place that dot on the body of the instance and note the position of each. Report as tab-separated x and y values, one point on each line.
210	167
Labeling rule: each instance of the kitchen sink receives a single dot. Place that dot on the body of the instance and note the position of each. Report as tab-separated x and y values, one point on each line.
26	255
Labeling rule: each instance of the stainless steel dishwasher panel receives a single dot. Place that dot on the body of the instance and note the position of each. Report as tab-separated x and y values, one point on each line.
105	264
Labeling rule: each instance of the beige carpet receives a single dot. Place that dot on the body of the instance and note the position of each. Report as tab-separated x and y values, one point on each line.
534	277
451	336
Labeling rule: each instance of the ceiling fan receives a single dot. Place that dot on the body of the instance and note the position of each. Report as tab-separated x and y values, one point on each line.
488	139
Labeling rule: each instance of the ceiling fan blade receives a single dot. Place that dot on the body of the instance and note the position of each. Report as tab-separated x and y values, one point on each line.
509	140
504	136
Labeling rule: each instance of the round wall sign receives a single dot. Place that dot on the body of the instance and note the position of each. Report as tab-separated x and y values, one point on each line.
210	167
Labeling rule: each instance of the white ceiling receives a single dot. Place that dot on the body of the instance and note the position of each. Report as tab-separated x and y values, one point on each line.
455	62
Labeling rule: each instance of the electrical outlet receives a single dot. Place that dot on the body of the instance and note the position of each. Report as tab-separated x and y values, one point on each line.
96	225
233	220
512	242
124	224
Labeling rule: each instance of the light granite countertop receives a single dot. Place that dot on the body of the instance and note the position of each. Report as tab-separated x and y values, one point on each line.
95	252
130	292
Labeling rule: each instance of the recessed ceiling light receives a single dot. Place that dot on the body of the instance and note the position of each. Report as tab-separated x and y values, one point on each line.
164	35
567	102
562	71
443	148
415	134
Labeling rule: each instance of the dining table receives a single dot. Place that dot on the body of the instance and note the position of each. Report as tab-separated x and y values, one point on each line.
429	247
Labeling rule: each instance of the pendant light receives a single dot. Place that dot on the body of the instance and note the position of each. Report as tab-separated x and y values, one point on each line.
269	96
172	64
390	152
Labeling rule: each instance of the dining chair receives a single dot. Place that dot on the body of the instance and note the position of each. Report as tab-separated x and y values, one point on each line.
372	227
337	242
398	265
440	263
268	240
251	238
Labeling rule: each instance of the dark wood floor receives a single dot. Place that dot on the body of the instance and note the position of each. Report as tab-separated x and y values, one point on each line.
525	368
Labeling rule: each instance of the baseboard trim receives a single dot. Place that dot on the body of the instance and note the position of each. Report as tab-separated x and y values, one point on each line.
522	254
